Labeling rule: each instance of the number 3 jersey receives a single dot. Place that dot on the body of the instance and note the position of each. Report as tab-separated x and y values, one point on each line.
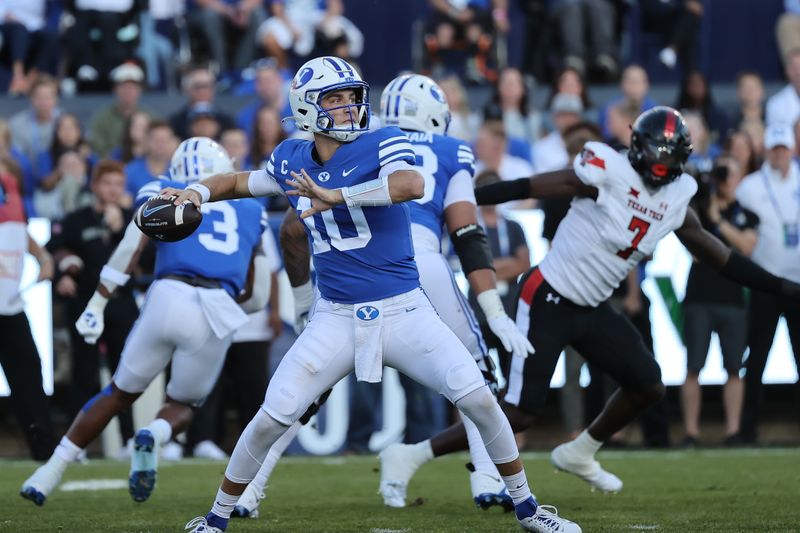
220	248
360	253
600	241
448	166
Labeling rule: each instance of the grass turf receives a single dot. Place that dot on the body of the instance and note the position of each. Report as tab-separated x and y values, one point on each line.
701	491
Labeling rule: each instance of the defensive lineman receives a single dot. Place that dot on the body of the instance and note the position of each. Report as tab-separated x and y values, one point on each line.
370	301
417	105
199	279
624	204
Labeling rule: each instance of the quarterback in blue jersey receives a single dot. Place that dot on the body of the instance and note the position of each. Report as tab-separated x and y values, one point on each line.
348	186
188	319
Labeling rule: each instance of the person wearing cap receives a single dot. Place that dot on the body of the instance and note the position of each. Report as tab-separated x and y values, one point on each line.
550	152
108	124
773	194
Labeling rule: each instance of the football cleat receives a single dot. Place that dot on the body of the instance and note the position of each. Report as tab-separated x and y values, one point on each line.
172	451
208	449
488	490
566	459
144	465
39	486
247	506
210	523
543	518
398	464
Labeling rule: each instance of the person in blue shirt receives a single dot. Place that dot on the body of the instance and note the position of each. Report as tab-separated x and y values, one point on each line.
160	143
188	319
349	187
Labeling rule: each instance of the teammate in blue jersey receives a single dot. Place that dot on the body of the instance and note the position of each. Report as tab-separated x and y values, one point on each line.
348	186
188	318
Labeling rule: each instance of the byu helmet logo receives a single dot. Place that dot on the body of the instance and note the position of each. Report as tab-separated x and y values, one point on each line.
303	77
367	313
324	176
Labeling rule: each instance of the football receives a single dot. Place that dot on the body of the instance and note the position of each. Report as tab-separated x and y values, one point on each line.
159	219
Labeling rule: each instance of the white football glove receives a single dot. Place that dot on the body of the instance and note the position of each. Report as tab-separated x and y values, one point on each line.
90	324
514	341
303	300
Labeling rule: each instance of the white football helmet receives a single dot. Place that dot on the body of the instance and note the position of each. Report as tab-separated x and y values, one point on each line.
319	77
415	102
198	158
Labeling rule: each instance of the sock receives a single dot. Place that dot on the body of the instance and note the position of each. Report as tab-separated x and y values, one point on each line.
585	444
422	451
517	485
161	430
66	451
477	450
274	454
223	505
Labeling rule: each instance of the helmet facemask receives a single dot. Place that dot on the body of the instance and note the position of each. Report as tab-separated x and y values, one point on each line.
359	111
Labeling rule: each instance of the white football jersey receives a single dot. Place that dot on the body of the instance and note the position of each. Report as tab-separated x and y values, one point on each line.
600	241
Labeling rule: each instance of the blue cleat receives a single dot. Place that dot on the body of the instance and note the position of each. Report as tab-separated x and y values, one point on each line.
30	493
144	465
488	491
210	523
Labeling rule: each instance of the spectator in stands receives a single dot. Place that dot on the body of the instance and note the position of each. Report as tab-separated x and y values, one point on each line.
29	48
267	134
160	143
460	34
787	30
32	128
81	245
134	136
511	103
713	303
65	189
634	86
705	150
198	84
68	137
619	119
19	357
221	22
103	36
695	95
158	41
19	165
575	20
756	131
739	145
463	122
108	124
784	106
678	22
570	81
491	151
271	90
750	94
550	153
235	142
203	123
772	193
299	26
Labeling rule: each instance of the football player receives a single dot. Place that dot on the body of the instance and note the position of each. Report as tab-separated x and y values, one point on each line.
188	318
624	204
417	105
348	186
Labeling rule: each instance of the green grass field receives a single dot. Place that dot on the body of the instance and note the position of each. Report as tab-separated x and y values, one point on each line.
702	491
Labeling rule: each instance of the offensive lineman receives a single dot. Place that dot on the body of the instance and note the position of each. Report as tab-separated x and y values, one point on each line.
417	105
623	205
370	301
198	282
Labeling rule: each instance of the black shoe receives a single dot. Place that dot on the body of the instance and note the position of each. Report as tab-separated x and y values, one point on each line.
690	442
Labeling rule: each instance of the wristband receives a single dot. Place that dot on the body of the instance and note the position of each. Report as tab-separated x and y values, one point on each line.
204	191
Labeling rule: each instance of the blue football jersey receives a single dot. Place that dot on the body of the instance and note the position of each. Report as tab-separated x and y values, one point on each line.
220	248
360	254
438	159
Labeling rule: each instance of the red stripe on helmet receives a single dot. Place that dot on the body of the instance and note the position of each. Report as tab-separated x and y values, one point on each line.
669	126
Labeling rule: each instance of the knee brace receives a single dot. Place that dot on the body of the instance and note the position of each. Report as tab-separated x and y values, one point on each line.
481	407
252	447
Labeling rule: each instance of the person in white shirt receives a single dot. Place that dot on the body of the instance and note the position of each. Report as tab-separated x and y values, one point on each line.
772	193
784	106
491	149
550	152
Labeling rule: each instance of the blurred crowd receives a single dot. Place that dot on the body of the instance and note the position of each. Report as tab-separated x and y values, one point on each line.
82	175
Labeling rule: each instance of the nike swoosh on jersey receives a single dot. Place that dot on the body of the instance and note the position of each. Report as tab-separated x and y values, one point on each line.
346	173
147	212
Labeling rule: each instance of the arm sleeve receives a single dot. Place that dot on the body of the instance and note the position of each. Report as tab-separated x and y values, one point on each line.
394	166
263	182
459	189
116	270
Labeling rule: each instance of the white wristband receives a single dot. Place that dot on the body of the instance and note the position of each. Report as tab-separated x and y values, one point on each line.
113	278
372	193
204	191
491	304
